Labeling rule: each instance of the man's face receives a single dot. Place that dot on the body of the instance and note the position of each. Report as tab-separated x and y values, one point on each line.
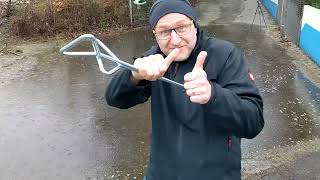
184	35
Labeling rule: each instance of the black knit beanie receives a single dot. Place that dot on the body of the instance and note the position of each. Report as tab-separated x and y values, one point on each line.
163	7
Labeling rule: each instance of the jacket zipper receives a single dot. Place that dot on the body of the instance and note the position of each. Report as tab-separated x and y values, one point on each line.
229	142
180	137
179	149
175	70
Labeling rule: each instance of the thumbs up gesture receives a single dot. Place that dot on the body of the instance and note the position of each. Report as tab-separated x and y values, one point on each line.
196	83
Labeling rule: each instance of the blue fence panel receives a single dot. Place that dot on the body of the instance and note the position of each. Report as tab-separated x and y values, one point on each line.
271	6
310	42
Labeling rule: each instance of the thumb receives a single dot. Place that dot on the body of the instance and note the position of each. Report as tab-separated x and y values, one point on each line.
171	57
200	60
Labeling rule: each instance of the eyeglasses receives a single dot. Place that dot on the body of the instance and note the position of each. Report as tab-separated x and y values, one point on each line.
180	30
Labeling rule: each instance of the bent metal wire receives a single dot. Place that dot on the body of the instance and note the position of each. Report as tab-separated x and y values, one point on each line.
96	44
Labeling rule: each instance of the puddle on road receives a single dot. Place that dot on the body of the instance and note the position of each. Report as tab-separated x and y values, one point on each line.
291	102
58	119
57	123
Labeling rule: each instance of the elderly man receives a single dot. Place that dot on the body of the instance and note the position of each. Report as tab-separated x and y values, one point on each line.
196	131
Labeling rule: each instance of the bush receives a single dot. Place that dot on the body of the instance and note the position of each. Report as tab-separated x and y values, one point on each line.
51	17
44	18
314	3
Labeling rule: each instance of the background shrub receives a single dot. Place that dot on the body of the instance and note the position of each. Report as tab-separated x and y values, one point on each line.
314	3
51	17
45	18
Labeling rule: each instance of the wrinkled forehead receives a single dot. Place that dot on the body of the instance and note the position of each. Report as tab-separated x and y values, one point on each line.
172	19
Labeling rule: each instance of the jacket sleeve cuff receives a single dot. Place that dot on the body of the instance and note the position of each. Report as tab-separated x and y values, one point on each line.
213	94
142	84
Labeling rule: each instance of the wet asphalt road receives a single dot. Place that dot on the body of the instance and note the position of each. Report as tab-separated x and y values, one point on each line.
56	124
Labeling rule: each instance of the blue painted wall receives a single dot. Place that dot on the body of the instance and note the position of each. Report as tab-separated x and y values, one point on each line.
310	42
271	7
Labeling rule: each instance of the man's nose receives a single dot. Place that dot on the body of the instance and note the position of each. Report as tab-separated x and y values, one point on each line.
174	38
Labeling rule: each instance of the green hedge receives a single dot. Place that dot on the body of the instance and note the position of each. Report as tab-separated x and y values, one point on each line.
314	3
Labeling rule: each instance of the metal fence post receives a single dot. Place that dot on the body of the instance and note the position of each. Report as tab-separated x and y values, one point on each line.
130	9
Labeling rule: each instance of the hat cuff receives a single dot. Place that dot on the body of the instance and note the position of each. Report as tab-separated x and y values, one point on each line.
161	8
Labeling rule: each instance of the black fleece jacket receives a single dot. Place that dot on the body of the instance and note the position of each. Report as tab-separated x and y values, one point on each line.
193	141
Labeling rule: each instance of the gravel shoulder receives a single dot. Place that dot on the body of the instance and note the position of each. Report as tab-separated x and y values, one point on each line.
310	69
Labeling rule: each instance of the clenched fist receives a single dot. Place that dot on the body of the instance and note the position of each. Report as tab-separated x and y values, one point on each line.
153	67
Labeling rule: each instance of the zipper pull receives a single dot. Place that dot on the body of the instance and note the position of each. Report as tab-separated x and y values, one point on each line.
175	70
229	142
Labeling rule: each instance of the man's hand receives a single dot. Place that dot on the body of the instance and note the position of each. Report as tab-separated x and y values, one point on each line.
196	83
153	67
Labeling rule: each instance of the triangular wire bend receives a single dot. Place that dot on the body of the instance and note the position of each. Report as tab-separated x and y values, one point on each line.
97	45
